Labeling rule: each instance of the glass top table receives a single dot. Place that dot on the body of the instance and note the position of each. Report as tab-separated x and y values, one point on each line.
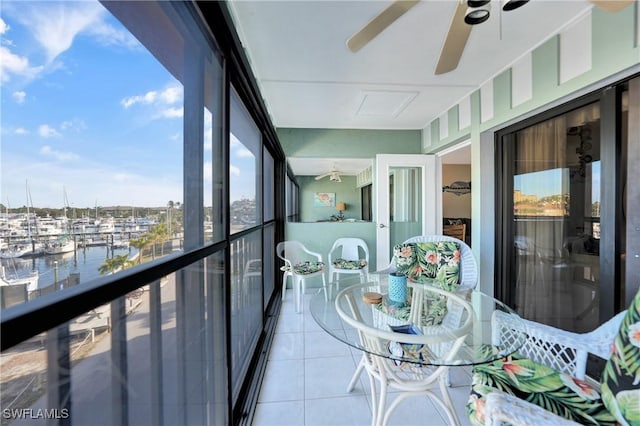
443	329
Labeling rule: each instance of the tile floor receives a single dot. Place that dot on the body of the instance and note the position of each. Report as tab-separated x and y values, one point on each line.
308	372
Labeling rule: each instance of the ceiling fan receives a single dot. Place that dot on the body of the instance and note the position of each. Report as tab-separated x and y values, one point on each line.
467	14
333	174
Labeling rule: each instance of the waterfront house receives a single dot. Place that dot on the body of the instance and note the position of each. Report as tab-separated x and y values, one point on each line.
547	96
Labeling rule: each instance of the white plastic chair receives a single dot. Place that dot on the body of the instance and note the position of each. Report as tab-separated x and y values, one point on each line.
468	281
408	379
350	249
295	255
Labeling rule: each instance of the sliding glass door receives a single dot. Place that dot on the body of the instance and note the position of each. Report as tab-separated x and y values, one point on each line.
561	229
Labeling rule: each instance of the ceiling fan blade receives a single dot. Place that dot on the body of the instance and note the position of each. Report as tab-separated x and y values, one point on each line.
455	42
323	176
379	23
612	5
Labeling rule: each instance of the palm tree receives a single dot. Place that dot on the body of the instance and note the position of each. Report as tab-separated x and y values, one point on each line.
140	244
115	264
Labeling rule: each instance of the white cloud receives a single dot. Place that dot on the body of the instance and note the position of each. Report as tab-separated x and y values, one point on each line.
147	98
168	96
21	131
55	25
19	96
123	177
243	152
3	26
172	113
233	170
10	63
208	171
75	125
108	35
172	94
47	131
47	151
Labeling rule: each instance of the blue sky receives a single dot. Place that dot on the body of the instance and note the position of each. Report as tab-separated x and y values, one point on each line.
87	110
549	182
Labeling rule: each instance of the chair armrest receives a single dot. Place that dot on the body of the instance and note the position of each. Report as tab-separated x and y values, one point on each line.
502	408
313	253
559	349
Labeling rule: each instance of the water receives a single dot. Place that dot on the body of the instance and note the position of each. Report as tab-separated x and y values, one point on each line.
85	261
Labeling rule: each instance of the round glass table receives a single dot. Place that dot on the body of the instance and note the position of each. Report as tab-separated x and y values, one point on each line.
433	327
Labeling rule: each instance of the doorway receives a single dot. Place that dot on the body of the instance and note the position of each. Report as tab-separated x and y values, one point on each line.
406	200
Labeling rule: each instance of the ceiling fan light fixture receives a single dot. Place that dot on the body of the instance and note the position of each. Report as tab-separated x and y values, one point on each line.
476	15
477	3
513	4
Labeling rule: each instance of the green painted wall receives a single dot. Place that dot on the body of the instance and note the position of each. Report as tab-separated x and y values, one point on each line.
345	191
348	143
319	237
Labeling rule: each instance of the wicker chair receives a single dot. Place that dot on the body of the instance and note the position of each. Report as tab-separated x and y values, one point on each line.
468	281
406	379
554	363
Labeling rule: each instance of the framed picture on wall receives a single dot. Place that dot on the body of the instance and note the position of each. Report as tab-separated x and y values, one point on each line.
324	199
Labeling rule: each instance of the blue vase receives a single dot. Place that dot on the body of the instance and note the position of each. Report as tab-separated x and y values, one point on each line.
398	288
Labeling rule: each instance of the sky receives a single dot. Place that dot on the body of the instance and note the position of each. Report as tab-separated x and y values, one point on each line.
78	120
545	183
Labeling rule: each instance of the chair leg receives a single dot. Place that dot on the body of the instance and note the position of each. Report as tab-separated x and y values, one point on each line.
356	375
284	284
297	281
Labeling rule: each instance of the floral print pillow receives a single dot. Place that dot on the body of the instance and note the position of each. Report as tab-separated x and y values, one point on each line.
435	262
621	378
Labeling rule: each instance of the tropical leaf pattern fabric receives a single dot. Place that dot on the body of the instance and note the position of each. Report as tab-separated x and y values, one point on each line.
308	267
556	392
433	262
349	264
621	376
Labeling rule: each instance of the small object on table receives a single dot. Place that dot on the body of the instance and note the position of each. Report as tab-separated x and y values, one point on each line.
398	288
372	298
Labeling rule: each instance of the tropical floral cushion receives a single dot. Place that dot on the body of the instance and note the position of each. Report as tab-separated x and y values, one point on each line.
433	311
621	378
308	267
557	392
350	264
437	263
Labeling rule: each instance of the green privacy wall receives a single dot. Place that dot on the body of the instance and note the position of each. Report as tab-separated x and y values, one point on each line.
319	237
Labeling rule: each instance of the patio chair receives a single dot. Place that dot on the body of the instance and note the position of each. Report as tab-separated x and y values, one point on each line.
545	382
467	279
349	256
411	378
300	264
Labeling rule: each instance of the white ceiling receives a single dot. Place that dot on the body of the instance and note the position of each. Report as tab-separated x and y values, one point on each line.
310	79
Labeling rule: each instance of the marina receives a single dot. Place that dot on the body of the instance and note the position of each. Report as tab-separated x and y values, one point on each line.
54	268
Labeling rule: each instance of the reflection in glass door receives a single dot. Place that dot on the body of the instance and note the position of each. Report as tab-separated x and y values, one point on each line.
556	219
405	199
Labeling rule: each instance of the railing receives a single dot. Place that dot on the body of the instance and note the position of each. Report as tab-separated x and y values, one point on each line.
143	349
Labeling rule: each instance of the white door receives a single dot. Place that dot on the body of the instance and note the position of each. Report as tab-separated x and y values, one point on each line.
406	200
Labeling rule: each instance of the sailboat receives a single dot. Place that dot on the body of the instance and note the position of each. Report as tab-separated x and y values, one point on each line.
31	280
64	244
